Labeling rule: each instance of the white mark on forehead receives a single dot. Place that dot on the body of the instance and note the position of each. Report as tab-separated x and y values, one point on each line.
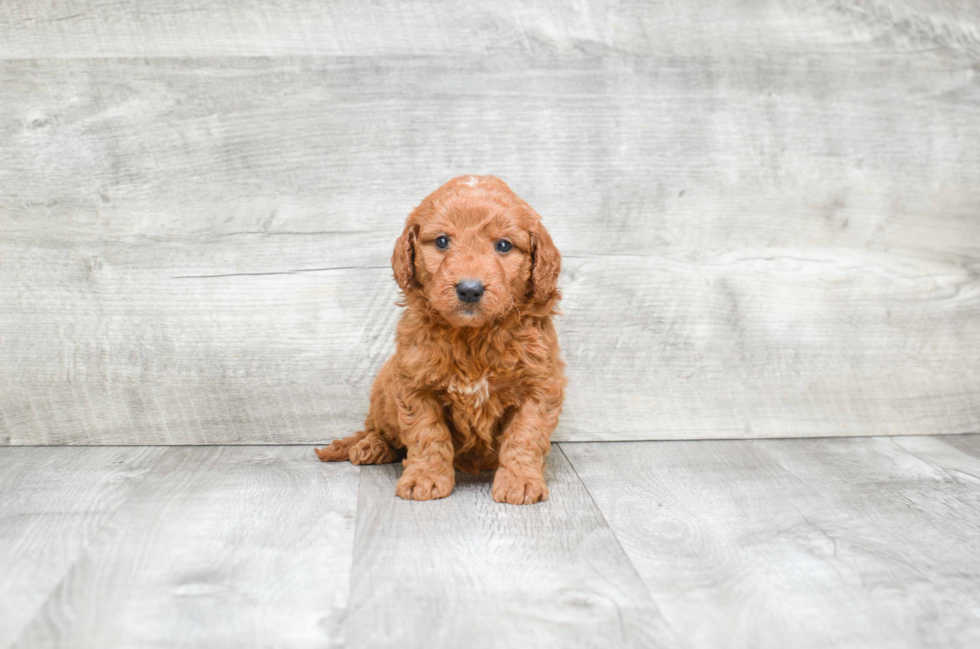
472	181
479	388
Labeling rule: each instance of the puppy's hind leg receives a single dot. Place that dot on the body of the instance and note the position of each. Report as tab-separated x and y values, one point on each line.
367	446
373	449
339	449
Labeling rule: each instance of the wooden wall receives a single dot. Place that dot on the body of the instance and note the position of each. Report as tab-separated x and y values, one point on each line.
769	211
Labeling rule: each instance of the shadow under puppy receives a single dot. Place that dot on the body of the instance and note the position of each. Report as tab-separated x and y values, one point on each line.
477	380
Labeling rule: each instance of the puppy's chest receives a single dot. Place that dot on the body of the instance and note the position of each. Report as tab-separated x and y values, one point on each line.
481	385
469	392
488	392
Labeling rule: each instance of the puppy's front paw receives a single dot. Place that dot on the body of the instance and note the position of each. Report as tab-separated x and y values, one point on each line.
424	484
518	489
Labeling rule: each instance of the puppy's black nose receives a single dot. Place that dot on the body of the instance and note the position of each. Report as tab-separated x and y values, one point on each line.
469	290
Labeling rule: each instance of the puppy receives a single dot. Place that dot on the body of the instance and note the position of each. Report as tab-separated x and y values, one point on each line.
476	382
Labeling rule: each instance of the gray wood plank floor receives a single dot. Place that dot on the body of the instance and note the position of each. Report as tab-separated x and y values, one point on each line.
53	503
804	543
468	572
847	542
217	547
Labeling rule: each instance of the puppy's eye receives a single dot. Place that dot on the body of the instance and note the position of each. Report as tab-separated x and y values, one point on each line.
442	242
503	245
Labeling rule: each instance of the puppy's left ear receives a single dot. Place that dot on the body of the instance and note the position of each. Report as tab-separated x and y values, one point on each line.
545	268
403	258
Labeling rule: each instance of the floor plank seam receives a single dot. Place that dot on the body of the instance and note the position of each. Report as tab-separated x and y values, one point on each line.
353	552
946	471
81	555
619	543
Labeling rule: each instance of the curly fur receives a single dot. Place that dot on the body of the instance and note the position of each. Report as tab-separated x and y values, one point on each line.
471	387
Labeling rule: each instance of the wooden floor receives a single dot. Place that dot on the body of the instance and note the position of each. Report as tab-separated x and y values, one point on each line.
845	542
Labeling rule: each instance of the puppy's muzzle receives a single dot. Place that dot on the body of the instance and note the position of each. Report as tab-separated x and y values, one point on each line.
469	291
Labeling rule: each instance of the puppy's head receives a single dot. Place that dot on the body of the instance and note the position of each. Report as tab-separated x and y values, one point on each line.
475	252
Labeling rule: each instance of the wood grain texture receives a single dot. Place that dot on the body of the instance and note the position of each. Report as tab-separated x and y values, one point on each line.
217	547
178	28
969	444
829	542
468	572
922	511
771	543
767	209
53	503
752	249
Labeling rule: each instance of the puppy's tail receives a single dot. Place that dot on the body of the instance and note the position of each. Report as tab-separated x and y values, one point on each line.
339	449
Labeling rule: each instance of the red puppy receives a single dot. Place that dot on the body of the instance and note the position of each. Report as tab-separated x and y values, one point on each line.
476	381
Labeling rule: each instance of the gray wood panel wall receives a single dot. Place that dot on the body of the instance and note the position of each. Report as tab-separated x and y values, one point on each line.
769	211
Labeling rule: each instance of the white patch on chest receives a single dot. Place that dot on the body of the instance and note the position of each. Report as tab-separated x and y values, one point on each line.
480	389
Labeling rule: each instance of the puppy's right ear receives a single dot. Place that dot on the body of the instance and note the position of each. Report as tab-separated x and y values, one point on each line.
403	258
